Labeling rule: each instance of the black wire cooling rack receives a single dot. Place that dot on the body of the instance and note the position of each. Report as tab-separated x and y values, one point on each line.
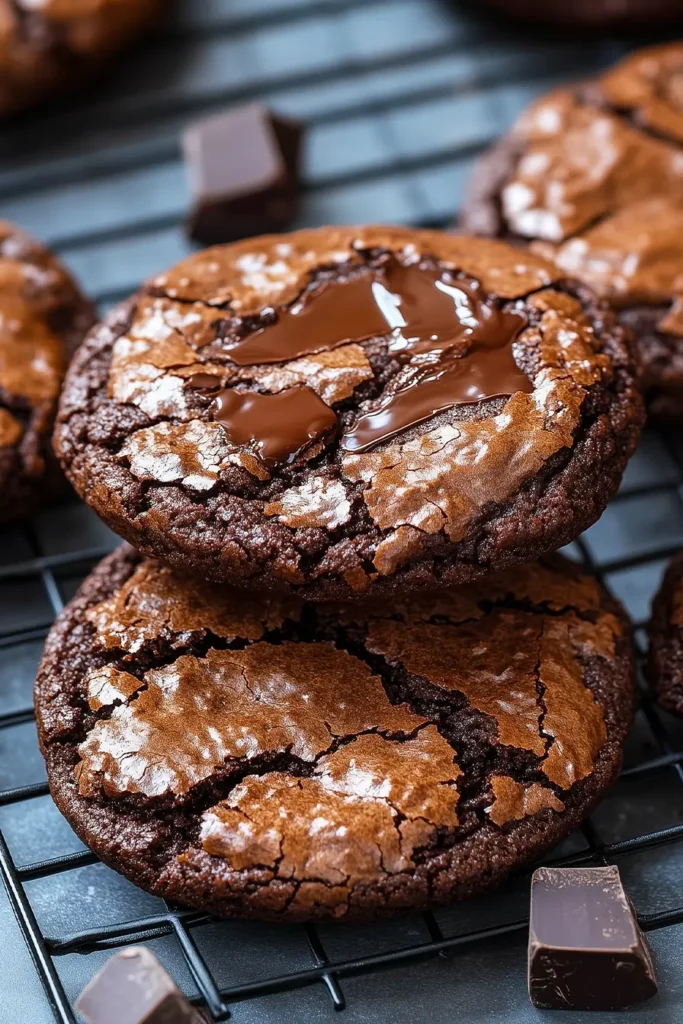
399	95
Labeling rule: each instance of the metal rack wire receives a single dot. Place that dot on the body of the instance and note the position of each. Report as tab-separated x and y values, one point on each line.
399	96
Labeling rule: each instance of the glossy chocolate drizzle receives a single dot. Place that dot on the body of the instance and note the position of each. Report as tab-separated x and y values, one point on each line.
455	345
277	428
326	317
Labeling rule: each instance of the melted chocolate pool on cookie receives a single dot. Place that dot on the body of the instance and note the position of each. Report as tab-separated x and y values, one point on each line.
280	426
463	342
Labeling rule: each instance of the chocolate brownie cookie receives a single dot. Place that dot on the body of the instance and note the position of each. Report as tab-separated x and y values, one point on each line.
591	13
665	661
592	177
344	408
43	318
262	757
49	46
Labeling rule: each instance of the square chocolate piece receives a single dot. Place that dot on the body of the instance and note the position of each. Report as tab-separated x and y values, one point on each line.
244	174
586	951
133	988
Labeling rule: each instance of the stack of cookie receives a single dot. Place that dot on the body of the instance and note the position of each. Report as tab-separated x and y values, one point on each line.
332	678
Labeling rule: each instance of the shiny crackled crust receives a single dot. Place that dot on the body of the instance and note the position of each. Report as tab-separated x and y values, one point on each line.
48	46
43	318
592	177
267	758
665	658
140	447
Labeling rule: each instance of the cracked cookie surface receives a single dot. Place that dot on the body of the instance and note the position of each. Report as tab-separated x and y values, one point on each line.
341	410
49	46
665	657
43	318
273	758
591	177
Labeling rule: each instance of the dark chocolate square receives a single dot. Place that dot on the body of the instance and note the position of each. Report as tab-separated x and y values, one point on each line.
244	168
133	988
586	950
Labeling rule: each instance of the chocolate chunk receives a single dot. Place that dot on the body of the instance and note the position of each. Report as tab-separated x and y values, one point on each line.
133	988
244	174
586	951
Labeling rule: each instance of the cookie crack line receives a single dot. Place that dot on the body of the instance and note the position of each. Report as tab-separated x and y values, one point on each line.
389	675
622	116
647	130
165	649
540	700
217	786
314	276
202	496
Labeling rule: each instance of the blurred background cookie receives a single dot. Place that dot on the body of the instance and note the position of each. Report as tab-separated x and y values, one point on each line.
592	178
43	317
51	46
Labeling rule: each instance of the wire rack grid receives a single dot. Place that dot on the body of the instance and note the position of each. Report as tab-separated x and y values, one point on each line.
399	96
